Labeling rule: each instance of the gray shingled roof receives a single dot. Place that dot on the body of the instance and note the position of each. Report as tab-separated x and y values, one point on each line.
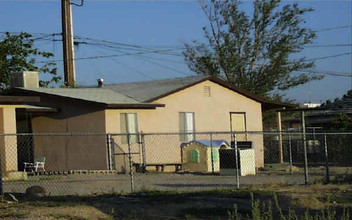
100	95
140	93
148	90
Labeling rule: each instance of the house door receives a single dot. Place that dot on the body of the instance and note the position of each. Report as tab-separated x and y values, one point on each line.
24	142
238	124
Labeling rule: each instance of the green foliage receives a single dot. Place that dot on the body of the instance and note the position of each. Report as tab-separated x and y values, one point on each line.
17	53
255	53
343	121
339	103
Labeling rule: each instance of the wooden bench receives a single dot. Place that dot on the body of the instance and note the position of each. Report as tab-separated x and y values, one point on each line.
159	167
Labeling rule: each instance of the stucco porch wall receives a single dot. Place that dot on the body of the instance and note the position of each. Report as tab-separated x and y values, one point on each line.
211	114
8	143
71	152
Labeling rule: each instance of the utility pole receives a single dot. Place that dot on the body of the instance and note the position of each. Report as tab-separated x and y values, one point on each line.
67	40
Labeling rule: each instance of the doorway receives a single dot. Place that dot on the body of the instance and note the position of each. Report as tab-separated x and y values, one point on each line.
25	139
238	124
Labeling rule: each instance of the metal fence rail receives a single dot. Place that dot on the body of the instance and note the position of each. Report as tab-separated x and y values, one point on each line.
106	163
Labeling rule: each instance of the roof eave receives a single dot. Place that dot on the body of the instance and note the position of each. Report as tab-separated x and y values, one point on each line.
19	99
266	106
178	89
40	109
135	106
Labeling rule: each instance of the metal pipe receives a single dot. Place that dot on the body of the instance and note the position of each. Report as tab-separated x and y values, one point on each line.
211	153
144	162
305	149
131	163
108	142
237	161
290	152
281	154
1	184
327	173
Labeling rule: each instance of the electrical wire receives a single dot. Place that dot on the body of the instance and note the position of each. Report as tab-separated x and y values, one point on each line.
167	67
326	57
334	28
147	59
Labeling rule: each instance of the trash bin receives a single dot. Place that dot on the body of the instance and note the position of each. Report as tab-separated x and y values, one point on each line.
246	157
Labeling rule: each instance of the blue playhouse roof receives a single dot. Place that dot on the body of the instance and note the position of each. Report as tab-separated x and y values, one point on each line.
215	143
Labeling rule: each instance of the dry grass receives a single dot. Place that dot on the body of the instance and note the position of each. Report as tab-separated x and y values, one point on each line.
212	204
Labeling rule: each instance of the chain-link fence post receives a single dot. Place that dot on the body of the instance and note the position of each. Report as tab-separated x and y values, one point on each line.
327	173
144	167
211	153
237	161
290	152
110	155
1	184
305	149
131	162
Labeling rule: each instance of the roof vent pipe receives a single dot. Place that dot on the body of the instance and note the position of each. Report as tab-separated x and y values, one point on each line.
100	83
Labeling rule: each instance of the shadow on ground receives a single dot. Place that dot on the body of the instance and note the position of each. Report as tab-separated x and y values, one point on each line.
214	204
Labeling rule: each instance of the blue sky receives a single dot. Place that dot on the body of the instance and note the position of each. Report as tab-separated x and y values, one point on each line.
169	24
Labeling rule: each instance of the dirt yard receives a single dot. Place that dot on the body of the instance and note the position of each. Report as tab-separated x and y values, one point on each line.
214	204
87	184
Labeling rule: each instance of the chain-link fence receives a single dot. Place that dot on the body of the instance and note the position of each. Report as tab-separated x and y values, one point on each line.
81	164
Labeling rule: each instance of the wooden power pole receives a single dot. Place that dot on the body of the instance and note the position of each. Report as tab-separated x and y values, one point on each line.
67	40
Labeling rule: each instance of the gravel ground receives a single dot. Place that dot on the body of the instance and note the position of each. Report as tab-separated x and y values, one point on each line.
85	184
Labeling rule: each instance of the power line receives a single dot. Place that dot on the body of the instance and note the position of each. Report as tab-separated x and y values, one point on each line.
113	55
334	28
324	73
328	45
146	59
326	57
167	67
333	73
128	67
116	49
124	46
4	32
327	72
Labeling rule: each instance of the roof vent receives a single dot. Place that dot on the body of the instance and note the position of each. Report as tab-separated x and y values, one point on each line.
207	91
100	83
25	79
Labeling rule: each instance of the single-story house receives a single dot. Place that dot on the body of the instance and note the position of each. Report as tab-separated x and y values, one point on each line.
187	105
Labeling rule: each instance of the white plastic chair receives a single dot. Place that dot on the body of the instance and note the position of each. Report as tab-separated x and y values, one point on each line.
38	163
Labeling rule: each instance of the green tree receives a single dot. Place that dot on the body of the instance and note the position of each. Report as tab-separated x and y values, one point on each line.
255	52
17	53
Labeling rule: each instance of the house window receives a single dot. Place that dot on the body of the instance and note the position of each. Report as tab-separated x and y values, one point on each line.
195	156
128	124
207	91
187	125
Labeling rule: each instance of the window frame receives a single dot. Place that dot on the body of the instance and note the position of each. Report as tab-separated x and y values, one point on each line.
125	128
183	129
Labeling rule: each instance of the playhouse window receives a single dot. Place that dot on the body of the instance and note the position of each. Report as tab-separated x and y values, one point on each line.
195	156
187	125
215	155
128	124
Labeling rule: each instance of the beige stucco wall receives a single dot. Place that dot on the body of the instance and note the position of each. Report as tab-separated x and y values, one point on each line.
74	152
211	114
8	143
